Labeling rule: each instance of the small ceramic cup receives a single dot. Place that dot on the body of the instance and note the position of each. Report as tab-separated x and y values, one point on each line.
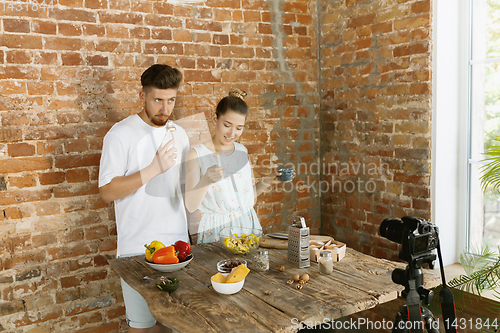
286	174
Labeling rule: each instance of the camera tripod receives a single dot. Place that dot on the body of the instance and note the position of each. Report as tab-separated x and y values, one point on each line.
403	325
412	317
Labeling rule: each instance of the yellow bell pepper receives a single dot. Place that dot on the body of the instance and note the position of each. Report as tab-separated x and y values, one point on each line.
152	248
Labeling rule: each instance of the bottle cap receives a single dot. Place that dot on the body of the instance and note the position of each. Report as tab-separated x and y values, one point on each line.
325	254
262	251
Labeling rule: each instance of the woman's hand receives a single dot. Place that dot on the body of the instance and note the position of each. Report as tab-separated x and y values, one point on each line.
273	179
214	174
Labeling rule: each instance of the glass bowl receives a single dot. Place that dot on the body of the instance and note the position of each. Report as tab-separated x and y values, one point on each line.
226	265
238	240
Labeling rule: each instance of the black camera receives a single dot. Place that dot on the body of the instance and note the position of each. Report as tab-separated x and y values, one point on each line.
417	236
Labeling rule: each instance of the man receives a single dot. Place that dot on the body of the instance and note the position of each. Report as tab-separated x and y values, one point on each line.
140	171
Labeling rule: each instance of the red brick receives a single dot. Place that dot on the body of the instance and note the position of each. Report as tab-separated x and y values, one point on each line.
44	27
74	190
77	175
11	307
161	33
18	57
163	21
412	22
419	88
70	251
19	196
40	88
421	7
220	39
51	178
16	25
94	30
13	87
70	161
72	14
127	18
159	48
421	204
25	258
69	29
200	76
16	213
94	276
380	28
44	239
45	58
47	208
140	33
111	327
295	7
96	4
22	181
28	320
21	41
69	282
72	59
235	4
361	20
97	60
25	164
222	15
61	43
96	232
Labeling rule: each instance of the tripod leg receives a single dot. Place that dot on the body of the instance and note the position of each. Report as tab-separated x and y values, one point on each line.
431	324
400	322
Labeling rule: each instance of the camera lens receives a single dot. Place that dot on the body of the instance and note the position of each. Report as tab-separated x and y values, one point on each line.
392	229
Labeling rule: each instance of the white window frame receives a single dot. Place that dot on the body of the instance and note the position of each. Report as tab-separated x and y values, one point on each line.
449	188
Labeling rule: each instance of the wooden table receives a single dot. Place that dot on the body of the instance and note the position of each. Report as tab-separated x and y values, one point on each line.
359	282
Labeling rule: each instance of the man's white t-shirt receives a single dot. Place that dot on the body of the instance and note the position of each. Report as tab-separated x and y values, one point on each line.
156	210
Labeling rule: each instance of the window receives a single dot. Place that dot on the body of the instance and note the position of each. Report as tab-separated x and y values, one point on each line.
483	119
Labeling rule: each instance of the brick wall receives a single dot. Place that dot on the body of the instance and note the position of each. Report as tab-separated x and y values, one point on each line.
68	74
375	115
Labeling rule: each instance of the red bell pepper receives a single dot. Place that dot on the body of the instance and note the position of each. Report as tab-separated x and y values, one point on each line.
165	255
184	250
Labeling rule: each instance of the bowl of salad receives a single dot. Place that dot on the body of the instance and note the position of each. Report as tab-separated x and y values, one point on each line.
238	240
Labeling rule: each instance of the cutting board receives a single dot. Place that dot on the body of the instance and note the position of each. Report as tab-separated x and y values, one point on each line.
275	243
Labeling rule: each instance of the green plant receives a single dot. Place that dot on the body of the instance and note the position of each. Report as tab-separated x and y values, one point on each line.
482	272
490	178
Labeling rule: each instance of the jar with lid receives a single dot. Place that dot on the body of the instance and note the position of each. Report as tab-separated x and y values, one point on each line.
262	260
325	262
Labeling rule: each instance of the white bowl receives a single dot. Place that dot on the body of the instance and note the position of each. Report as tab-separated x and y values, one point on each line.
168	267
227	288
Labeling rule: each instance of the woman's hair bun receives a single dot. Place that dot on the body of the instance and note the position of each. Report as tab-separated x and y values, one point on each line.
235	92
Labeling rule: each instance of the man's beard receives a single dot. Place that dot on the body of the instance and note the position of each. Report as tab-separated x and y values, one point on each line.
155	121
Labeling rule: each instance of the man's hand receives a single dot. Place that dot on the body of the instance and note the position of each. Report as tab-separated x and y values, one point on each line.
165	157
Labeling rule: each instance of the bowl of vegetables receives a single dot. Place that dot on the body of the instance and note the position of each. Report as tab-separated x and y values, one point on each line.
238	240
168	258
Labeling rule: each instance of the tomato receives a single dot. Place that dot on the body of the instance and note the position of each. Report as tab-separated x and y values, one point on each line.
184	250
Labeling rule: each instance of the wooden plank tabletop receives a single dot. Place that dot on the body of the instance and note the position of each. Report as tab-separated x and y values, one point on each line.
359	282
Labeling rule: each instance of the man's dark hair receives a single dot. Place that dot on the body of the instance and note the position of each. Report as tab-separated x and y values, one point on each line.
161	77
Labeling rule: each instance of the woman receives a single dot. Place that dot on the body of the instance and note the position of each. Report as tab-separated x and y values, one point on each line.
219	178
